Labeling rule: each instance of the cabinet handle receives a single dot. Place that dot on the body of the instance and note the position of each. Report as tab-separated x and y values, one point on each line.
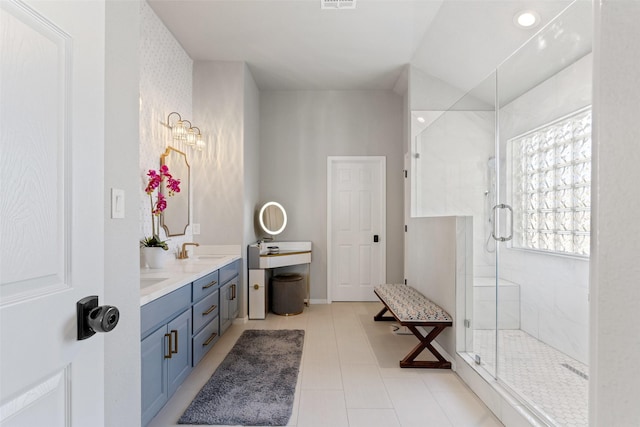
207	342
173	331
233	291
256	286
213	307
168	356
213	283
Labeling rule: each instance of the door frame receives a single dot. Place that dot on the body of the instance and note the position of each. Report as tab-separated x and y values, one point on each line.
382	165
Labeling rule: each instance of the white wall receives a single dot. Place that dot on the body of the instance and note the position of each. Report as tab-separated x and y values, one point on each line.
432	269
299	129
554	290
614	375
226	102
218	104
429	93
165	86
122	271
251	186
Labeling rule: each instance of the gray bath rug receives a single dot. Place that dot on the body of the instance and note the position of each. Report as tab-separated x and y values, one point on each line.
254	385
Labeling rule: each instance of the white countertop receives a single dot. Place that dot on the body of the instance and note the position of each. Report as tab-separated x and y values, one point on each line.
157	282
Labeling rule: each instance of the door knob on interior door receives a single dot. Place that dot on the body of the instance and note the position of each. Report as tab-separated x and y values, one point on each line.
92	318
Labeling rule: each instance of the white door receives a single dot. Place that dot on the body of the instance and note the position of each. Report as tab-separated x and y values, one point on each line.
356	227
51	210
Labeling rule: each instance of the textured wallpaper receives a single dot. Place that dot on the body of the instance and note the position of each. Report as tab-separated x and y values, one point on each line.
166	85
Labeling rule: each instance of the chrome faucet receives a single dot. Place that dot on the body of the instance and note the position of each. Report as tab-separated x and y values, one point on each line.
183	253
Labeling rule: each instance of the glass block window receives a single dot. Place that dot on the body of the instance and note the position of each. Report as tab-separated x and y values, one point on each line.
551	186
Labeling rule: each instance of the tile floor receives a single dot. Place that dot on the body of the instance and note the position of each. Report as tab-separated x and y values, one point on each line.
350	376
547	379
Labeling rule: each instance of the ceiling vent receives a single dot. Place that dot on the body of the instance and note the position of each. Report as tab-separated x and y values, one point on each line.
338	4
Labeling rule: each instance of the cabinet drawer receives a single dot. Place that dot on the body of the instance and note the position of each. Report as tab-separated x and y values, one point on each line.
163	309
228	271
204	340
205	311
205	285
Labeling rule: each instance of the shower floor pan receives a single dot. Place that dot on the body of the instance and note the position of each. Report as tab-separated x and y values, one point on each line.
549	381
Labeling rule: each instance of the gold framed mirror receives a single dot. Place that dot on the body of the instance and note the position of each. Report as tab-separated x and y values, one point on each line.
175	218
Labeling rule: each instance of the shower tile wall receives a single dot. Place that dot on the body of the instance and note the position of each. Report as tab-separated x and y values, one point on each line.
451	175
484	304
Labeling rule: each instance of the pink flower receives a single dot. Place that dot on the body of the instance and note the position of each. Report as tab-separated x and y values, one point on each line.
172	186
161	205
154	181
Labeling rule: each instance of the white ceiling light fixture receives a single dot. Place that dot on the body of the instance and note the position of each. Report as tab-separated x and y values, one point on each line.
527	19
337	4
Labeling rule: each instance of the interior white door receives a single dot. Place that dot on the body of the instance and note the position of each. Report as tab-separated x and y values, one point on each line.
356	227
51	210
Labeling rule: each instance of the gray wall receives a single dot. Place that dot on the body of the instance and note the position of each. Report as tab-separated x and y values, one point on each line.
298	131
122	271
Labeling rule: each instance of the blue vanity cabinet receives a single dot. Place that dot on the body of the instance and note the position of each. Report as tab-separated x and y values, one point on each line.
230	279
205	314
165	349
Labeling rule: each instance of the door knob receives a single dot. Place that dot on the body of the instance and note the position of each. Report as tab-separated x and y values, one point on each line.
92	318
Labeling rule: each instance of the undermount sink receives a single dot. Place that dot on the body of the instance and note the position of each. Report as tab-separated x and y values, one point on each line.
204	256
150	281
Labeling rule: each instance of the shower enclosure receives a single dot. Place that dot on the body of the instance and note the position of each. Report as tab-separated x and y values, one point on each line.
513	157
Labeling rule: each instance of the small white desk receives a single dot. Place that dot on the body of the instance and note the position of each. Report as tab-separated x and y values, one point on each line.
262	260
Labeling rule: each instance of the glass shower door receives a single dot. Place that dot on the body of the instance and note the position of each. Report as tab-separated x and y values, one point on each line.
454	174
543	198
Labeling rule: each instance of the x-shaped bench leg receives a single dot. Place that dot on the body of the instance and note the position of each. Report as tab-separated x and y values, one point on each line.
425	342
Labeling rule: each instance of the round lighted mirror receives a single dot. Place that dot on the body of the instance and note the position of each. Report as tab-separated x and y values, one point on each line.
273	218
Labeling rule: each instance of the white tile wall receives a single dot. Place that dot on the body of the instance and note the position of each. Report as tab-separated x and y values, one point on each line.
554	290
484	304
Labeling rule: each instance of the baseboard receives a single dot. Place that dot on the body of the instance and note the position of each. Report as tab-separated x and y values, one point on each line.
444	354
318	301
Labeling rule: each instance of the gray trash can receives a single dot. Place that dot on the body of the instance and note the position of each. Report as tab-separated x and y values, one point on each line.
287	294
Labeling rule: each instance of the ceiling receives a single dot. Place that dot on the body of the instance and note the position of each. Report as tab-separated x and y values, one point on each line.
296	45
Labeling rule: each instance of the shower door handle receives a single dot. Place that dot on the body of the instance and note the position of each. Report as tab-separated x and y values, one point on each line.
495	223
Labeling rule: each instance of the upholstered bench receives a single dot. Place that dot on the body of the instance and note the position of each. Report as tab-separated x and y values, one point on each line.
411	309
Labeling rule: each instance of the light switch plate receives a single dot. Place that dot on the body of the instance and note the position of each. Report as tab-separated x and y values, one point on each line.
195	229
117	203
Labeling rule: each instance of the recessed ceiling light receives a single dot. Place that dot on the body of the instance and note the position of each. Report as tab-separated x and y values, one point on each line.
527	19
420	119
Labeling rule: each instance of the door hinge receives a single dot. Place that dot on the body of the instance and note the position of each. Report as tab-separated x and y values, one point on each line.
467	323
405	281
405	173
405	228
